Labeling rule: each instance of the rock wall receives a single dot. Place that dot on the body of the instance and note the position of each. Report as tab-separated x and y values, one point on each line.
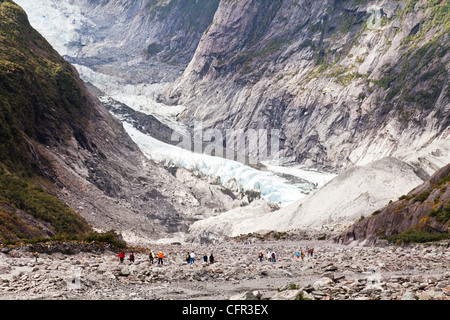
347	82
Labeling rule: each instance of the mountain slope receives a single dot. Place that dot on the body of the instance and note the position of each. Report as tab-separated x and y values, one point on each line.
426	208
59	137
39	98
347	82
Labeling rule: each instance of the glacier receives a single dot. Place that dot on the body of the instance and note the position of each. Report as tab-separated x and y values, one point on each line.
232	174
62	24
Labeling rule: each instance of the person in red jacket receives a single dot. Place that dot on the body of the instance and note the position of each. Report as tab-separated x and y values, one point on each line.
121	256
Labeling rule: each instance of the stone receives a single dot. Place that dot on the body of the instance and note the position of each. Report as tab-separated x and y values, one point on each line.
124	271
409	295
244	296
331	268
322	282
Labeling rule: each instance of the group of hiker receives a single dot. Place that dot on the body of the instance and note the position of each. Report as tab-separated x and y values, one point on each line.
308	251
190	257
151	257
272	256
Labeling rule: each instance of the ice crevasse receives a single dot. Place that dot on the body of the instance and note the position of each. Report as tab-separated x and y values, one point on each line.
232	174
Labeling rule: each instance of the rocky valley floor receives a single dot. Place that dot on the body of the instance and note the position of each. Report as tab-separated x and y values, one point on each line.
335	272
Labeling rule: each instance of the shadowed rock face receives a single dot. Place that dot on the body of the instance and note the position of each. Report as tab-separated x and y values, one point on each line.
423	209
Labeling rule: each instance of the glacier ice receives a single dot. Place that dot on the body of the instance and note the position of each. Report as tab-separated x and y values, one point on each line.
232	174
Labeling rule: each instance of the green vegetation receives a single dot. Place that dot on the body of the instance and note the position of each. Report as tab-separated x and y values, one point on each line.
19	194
376	212
110	238
410	6
416	236
107	238
300	296
442	215
41	101
444	180
421	197
40	95
420	67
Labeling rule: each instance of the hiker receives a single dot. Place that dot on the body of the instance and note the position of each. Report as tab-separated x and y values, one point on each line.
269	256
121	256
260	256
131	257
151	256
311	251
205	258
298	255
274	257
302	254
192	255
188	258
211	259
160	258
36	256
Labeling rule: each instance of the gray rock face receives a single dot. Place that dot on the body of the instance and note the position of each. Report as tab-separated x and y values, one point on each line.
345	83
328	74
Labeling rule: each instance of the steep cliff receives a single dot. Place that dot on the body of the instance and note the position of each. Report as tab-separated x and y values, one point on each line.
423	213
347	82
58	140
39	102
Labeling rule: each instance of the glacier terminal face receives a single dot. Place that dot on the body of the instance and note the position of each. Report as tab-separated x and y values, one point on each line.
232	174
